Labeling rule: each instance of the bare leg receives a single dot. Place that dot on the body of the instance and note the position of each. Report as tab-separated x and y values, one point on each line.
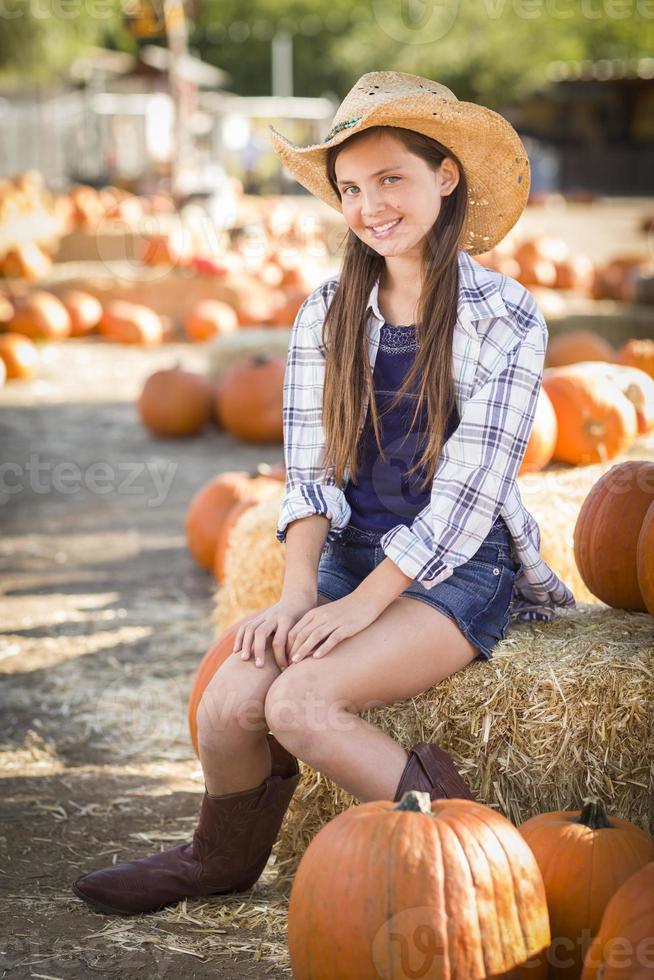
232	727
312	708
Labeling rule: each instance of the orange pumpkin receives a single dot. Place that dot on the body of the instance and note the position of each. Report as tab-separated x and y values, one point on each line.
446	888
249	401
6	309
211	504
84	310
577	345
634	384
215	656
290	301
210	318
584	856
639	354
3	373
26	261
596	422
41	316
19	355
175	403
623	948
607	530
645	560
542	439
576	272
131	323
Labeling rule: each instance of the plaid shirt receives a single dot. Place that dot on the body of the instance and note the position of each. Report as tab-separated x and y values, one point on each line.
499	345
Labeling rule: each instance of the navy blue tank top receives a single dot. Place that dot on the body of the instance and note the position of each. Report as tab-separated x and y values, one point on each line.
385	495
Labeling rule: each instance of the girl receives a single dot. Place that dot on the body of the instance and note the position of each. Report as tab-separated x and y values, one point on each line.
410	393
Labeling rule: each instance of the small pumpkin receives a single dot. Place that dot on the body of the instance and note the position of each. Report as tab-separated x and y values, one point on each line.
607	532
210	318
131	323
584	857
41	316
542	438
84	310
26	261
175	403
211	504
623	948
634	384
19	356
577	345
444	888
249	401
639	354
596	422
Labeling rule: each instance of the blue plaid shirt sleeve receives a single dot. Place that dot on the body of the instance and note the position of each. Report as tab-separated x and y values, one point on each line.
477	466
306	491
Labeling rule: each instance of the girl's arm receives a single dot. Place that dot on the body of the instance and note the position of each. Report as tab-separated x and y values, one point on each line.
307	491
478	463
304	541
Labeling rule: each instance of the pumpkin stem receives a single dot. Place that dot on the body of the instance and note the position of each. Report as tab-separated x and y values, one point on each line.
416	800
593	814
261	357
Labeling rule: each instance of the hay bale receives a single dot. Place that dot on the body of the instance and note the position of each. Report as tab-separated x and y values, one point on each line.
254	563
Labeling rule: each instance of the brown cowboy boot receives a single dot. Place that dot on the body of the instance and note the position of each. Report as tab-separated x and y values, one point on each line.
230	848
431	769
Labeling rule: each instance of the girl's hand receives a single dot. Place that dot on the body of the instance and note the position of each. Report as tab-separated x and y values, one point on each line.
320	629
275	622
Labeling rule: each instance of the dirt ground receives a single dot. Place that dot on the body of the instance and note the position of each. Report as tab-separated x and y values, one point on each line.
104	619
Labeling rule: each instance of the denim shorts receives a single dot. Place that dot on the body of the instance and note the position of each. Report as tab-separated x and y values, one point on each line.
477	596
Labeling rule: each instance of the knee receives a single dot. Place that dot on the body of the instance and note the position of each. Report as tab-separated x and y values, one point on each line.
299	711
229	709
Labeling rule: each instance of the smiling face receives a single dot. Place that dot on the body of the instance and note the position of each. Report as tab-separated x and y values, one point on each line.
407	192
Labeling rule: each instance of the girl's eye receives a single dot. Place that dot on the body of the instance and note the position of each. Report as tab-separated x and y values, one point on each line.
385	178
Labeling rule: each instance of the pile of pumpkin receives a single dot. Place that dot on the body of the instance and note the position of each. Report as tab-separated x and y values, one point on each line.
546	262
32	221
452	889
594	401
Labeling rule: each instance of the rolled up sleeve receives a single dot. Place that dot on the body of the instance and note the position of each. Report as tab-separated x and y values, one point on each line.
308	490
477	466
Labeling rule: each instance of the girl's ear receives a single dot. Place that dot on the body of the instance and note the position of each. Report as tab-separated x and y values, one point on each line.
449	176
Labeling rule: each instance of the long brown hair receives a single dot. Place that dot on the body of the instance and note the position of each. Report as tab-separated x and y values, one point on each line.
348	376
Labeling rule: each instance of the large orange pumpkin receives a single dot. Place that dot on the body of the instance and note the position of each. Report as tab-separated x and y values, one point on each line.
84	310
607	531
596	422
41	316
175	403
443	889
584	856
210	318
249	401
131	323
215	656
211	504
623	948
645	560
639	354
577	345
542	439
19	355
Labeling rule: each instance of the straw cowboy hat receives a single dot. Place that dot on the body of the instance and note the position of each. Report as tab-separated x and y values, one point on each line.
493	156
